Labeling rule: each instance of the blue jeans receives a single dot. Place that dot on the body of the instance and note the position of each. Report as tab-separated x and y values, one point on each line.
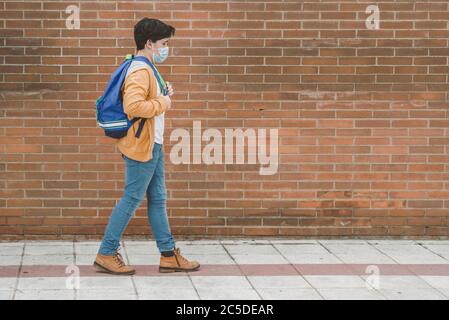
141	178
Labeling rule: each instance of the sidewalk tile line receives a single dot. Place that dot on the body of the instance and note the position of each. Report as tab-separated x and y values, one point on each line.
241	270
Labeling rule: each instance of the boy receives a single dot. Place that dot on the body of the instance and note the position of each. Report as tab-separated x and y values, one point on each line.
144	156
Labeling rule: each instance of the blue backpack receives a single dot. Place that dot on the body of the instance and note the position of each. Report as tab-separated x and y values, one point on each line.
109	106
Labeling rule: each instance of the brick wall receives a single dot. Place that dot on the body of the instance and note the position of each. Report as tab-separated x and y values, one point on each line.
362	116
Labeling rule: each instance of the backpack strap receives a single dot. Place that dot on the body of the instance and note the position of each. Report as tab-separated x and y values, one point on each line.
133	120
158	78
141	124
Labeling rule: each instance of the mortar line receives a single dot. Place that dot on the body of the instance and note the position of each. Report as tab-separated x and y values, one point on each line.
246	277
328	250
19	271
397	262
299	271
132	276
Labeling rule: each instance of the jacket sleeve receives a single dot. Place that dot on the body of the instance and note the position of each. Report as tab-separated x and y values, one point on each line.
134	96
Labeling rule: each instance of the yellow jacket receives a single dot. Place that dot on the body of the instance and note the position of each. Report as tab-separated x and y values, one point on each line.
140	100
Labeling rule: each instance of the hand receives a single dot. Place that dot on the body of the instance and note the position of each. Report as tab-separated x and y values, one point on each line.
169	88
167	101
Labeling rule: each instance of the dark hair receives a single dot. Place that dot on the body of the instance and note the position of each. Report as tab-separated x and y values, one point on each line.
151	29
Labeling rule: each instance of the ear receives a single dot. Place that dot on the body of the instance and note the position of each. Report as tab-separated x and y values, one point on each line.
149	44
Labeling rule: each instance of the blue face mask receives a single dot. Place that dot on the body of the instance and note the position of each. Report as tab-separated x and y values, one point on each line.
163	54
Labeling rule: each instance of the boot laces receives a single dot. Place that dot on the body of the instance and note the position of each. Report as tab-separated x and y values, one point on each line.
179	256
119	259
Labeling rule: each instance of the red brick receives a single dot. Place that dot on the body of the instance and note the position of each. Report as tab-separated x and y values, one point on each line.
362	118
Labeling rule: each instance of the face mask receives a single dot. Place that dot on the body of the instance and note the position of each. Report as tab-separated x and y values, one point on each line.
163	54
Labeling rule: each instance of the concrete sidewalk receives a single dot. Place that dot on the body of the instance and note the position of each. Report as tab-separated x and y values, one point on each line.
232	269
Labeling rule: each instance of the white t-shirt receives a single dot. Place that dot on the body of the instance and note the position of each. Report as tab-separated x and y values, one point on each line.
159	120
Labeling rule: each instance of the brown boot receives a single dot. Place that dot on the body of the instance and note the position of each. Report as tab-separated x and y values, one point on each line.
177	263
112	264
